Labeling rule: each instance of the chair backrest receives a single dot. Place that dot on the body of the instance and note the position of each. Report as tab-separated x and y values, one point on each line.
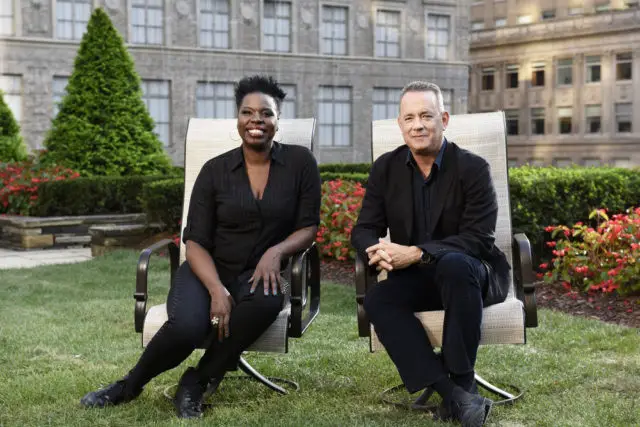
483	134
208	138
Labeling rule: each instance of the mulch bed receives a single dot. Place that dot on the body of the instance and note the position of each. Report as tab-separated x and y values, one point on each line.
607	308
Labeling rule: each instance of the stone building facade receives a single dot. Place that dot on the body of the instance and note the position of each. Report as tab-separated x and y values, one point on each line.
342	61
567	75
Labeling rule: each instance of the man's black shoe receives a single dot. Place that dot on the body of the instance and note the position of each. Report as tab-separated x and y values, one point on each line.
113	394
188	398
471	410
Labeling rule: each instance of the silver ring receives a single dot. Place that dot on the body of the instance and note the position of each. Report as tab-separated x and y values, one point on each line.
215	321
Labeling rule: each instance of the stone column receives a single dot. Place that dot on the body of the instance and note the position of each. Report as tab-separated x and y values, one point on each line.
608	86
635	74
578	83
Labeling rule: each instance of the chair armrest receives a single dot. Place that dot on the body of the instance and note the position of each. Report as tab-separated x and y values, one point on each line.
305	280
524	282
142	271
364	280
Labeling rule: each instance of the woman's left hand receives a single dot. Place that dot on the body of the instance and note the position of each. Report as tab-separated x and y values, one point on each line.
268	269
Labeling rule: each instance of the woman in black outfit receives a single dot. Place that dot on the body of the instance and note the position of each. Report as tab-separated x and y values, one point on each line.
251	208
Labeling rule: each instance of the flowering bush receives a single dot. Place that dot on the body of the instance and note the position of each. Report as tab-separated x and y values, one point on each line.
18	193
341	203
601	259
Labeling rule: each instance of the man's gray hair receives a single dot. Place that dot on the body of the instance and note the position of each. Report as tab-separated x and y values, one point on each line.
422	86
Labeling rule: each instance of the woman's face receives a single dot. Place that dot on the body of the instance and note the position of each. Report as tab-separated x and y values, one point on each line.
258	120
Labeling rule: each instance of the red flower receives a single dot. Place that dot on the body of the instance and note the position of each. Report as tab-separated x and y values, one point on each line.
544	265
551	244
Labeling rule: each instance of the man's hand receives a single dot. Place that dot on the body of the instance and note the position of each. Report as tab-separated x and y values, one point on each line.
221	305
392	256
268	269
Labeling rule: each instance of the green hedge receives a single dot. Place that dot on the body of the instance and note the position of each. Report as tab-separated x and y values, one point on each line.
345	176
548	196
539	196
162	201
345	167
91	196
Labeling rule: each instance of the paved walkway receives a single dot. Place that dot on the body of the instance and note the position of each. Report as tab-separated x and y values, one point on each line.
35	258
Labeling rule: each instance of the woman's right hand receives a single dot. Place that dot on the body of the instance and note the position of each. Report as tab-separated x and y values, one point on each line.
221	305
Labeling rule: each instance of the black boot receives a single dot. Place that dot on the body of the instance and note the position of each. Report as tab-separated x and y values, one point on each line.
113	394
189	395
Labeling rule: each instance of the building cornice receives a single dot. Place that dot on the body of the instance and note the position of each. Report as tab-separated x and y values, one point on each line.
612	22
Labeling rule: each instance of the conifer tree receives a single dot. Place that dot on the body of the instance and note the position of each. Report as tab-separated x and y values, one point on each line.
103	126
12	148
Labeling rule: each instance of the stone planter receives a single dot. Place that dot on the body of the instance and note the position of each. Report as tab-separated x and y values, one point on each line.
107	237
24	233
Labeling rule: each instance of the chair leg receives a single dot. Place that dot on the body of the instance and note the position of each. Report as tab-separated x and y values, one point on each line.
249	370
508	398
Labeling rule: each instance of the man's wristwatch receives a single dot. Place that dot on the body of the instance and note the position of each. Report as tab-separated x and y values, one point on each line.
425	258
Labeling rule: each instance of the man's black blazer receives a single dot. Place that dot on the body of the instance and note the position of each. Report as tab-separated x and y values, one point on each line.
463	217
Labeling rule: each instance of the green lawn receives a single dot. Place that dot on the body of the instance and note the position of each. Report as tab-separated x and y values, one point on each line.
64	330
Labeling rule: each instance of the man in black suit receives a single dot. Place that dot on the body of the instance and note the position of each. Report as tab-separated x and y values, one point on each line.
439	204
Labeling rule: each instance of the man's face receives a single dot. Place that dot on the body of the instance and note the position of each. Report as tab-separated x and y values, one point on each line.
422	123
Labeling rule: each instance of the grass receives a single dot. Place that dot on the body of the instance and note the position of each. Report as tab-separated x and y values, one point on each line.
67	329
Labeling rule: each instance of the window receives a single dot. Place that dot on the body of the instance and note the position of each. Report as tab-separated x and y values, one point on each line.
488	76
11	85
565	72
621	162
437	36
601	8
58	91
388	34
537	121
513	122
334	30
7	27
548	14
537	75
593	116
512	76
72	17
215	100
575	11
447	100
591	162
501	22
334	116
157	98
562	162
524	19
386	102
535	161
593	68
477	25
632	4
623	66
147	22
288	108
277	26
512	163
214	24
564	119
623	117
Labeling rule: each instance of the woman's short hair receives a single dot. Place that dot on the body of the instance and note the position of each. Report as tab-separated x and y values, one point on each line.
262	84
